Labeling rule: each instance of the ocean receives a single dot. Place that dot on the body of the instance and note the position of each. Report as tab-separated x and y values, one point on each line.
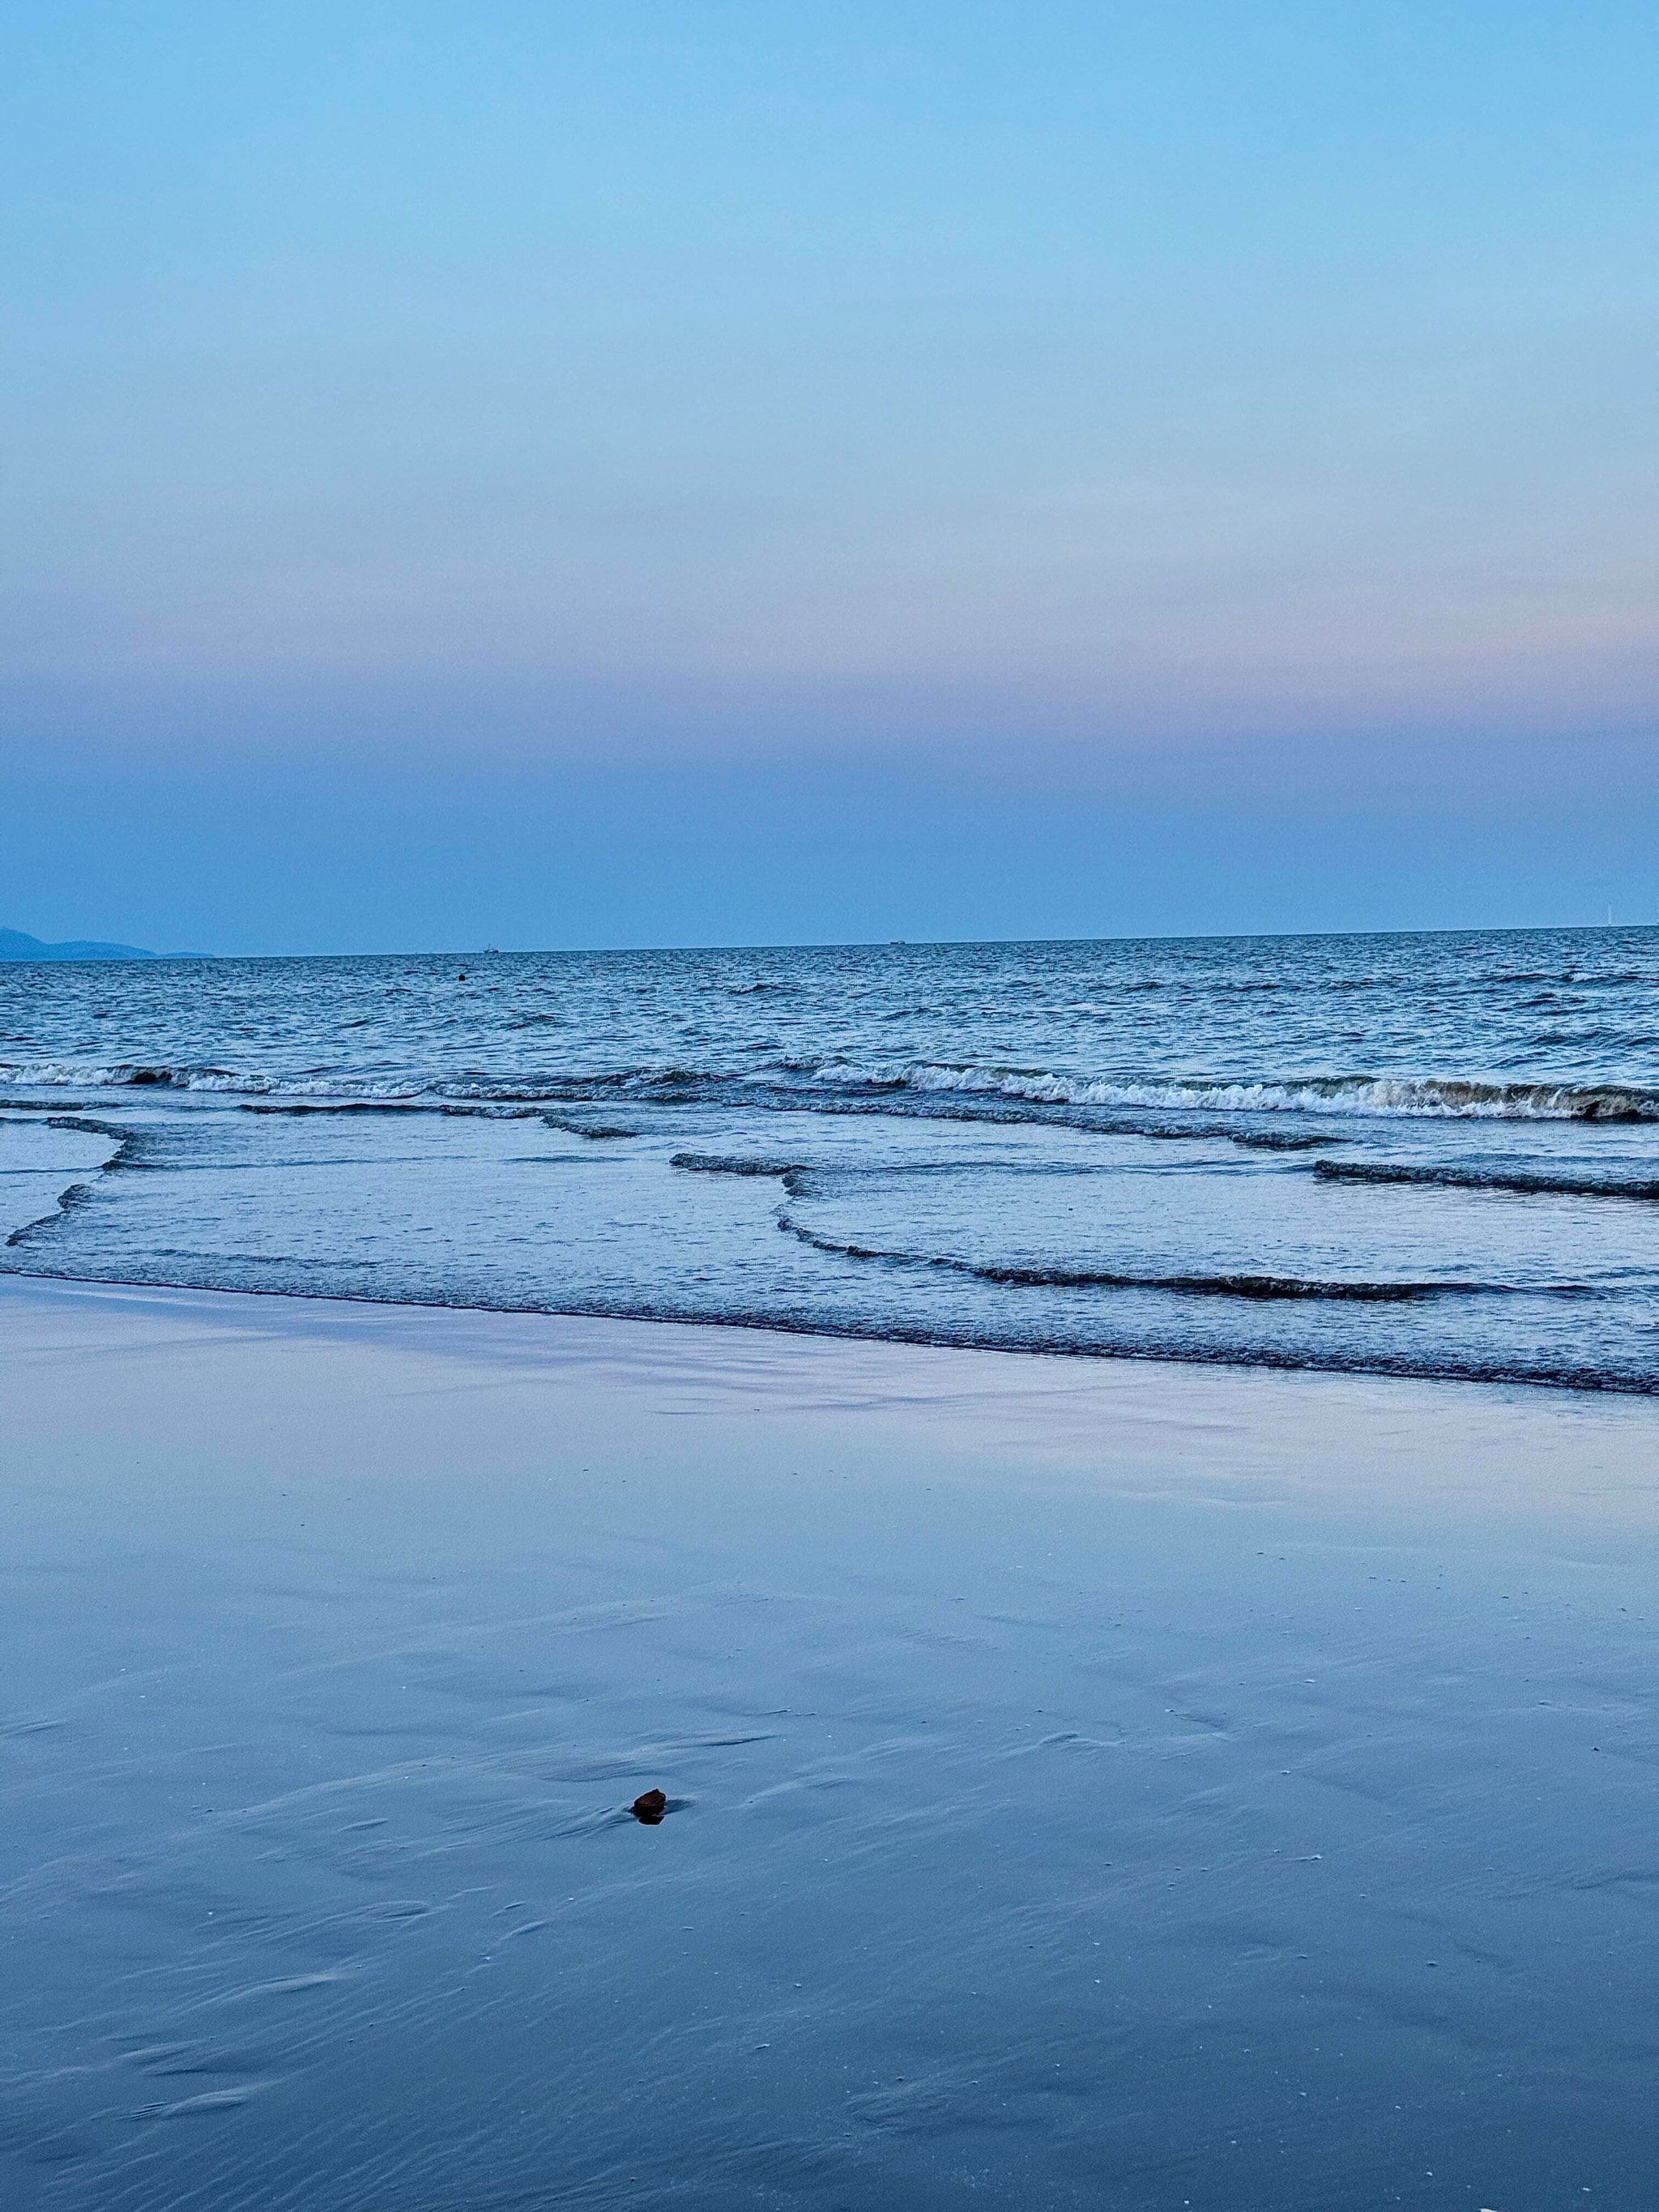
1083	1782
1433	1155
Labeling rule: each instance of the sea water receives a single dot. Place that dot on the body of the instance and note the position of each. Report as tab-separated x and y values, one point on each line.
1432	1154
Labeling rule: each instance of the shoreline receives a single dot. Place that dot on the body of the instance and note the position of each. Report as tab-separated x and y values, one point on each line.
1265	1361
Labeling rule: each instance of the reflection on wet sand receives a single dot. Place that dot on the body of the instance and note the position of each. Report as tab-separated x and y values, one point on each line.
1090	1783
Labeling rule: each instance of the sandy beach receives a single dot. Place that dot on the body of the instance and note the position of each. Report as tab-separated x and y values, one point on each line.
1091	1783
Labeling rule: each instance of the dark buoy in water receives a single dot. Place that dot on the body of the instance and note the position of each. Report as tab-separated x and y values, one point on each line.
649	1807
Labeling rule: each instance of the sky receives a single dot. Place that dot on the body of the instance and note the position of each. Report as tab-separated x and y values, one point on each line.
548	474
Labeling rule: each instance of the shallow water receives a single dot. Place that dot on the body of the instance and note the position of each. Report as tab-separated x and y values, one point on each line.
1434	1155
1091	1785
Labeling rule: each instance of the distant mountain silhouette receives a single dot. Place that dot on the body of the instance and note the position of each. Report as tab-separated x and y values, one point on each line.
18	944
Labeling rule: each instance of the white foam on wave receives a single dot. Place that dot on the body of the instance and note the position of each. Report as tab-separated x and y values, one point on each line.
155	1075
1418	1097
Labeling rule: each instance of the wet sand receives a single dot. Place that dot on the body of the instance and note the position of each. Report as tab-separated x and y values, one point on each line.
1091	1785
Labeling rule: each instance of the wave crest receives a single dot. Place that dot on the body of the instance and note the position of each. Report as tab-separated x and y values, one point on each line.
1435	1097
1414	1097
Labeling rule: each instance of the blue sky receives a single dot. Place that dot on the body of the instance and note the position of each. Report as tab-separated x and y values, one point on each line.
555	475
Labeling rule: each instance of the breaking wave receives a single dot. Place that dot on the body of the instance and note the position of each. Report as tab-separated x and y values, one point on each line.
823	1080
1434	1097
